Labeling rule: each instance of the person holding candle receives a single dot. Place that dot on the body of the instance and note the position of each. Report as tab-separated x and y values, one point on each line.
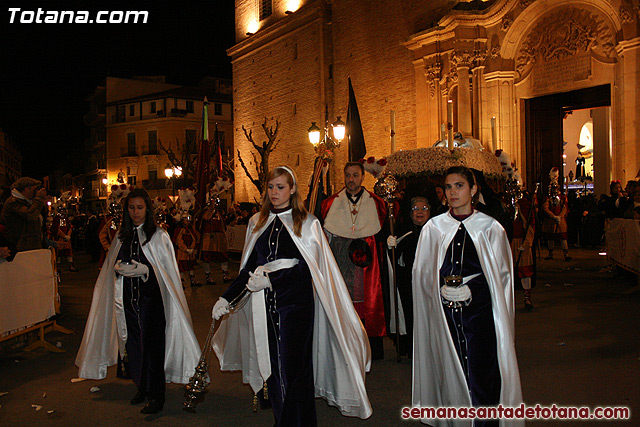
405	249
464	353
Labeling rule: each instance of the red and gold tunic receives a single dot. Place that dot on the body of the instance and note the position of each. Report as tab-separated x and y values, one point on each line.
214	236
552	228
107	232
185	239
523	233
61	230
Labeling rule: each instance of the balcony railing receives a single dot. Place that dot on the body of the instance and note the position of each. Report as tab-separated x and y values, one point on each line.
125	152
150	152
177	112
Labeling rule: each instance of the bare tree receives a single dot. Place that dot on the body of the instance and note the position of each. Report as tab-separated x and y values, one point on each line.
264	150
186	159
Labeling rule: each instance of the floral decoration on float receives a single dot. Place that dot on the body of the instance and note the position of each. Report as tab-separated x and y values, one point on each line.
426	162
417	172
374	166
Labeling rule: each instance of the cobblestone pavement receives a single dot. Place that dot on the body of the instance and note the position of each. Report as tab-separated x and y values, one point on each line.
580	346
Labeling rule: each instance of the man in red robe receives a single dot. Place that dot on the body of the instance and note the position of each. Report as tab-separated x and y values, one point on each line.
352	219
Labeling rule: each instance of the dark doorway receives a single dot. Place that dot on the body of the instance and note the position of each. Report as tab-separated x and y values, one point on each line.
543	128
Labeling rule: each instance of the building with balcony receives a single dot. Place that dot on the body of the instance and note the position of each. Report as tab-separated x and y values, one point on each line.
144	119
95	191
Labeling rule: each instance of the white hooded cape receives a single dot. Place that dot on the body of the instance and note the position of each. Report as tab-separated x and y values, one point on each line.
106	326
341	352
438	379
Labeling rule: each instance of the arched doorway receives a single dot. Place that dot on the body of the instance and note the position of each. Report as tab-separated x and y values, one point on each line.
543	118
527	63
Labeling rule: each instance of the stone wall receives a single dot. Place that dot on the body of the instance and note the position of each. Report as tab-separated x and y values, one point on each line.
292	67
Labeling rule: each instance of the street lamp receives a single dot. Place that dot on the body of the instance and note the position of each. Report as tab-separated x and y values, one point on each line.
325	150
328	142
168	171
338	129
103	191
314	134
172	172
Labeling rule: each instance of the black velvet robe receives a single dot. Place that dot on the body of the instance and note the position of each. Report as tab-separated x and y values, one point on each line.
290	313
406	251
472	327
144	313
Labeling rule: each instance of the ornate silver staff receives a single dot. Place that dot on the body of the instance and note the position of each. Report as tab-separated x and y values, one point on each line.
195	388
385	188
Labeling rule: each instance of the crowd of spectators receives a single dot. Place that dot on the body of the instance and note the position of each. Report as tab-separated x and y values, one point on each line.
587	214
621	203
24	213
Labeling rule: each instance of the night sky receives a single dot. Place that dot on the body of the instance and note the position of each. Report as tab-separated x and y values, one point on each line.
47	70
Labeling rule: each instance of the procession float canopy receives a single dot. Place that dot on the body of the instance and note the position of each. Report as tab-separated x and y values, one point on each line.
434	161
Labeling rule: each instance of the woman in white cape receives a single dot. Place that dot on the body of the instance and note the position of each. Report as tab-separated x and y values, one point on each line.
298	336
139	311
464	353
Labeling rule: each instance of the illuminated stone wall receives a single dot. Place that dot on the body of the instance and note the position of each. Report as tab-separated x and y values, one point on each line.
414	56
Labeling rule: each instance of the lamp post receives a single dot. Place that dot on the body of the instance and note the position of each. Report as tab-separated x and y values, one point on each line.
105	181
324	147
173	172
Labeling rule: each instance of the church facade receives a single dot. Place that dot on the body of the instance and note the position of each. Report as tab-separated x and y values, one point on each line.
511	71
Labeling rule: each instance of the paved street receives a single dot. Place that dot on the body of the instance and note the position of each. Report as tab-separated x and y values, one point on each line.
580	346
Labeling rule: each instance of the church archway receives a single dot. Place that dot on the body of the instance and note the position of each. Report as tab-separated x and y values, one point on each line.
563	54
544	131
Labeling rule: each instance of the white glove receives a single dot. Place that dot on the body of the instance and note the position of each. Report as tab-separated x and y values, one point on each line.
258	282
220	308
132	269
557	219
392	242
455	293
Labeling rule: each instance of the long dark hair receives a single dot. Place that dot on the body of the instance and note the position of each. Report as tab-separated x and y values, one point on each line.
468	174
149	227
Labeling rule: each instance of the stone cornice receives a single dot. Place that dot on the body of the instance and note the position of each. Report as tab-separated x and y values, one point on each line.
626	45
500	75
281	28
